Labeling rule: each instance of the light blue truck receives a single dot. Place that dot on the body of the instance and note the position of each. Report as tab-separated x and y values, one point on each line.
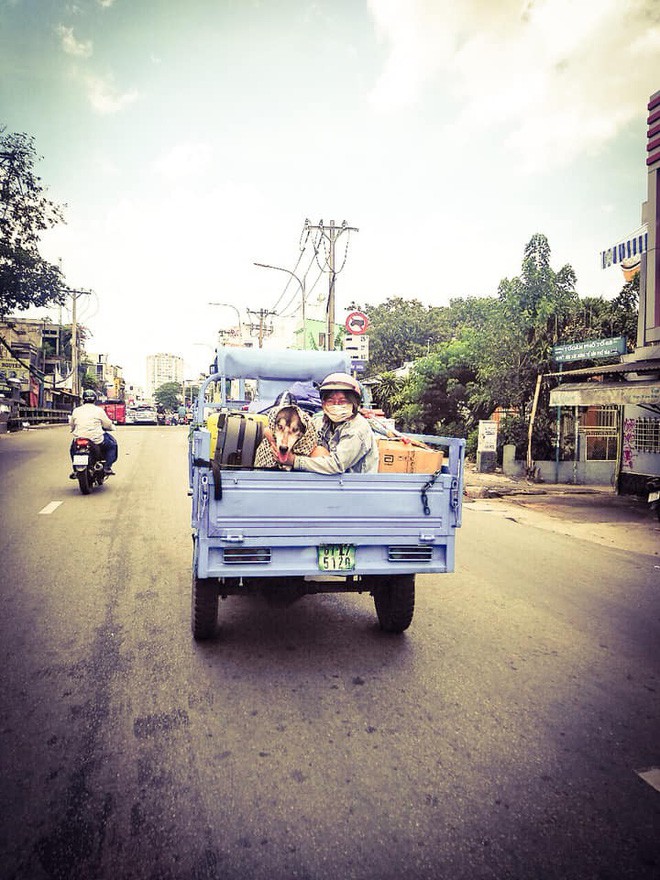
292	533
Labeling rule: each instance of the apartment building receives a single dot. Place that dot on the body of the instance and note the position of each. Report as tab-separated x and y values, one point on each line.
162	368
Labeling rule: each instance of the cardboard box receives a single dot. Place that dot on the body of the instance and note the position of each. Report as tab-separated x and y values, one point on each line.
426	461
396	457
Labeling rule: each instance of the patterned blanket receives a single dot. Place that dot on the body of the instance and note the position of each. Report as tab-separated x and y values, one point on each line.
265	457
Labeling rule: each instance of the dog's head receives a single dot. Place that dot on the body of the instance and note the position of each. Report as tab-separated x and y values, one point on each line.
287	429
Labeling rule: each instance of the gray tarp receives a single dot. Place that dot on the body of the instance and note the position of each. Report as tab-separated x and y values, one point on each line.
603	393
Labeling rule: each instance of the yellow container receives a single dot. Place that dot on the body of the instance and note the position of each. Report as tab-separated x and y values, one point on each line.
216	424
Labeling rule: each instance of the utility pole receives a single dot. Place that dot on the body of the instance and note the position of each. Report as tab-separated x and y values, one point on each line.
331	234
74	294
262	314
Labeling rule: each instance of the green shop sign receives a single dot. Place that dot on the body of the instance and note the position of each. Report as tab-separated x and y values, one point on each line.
589	350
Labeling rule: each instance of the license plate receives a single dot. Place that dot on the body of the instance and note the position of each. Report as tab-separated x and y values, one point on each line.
80	459
337	557
654	496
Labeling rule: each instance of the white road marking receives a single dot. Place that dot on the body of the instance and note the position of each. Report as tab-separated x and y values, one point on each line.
49	508
650	775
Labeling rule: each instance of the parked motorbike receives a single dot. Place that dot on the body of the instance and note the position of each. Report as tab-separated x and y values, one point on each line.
88	464
653	499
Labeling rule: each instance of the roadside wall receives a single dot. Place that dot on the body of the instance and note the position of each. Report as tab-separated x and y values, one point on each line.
580	473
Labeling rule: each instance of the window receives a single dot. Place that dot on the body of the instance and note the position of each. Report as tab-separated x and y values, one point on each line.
646	436
599	425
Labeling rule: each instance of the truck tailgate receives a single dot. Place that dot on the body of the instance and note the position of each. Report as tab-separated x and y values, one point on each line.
272	523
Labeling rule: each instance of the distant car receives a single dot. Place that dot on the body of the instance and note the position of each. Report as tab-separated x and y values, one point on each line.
145	415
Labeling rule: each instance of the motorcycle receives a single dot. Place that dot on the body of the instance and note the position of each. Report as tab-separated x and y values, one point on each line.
88	464
653	498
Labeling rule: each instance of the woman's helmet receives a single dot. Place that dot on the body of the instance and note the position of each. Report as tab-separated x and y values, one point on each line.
89	395
340	382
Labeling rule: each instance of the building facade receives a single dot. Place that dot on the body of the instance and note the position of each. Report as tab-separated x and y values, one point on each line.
162	368
631	388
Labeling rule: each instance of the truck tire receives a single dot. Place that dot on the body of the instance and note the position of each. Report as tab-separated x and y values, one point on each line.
394	598
204	612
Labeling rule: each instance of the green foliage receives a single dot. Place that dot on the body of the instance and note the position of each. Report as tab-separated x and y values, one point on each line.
91	380
436	396
484	353
169	395
402	330
529	317
26	279
387	392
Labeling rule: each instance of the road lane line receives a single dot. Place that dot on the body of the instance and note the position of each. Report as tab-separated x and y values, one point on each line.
49	508
650	775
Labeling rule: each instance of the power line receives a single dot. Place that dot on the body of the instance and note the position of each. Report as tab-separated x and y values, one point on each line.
259	328
330	235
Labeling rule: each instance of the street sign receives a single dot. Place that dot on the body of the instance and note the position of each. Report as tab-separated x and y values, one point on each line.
590	349
357	347
10	368
487	437
357	323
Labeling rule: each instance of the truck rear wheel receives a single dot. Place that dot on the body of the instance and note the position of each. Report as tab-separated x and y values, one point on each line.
204	612
394	598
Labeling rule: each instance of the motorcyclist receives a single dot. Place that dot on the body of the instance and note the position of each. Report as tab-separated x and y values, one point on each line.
91	421
342	430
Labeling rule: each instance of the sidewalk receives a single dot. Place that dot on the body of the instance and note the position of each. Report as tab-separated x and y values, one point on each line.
592	513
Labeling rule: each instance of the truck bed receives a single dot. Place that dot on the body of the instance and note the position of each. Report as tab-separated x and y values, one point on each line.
271	523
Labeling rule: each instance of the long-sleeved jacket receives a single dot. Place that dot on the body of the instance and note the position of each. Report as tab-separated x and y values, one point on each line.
352	446
90	420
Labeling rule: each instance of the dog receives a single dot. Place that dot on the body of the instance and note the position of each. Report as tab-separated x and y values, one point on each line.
290	429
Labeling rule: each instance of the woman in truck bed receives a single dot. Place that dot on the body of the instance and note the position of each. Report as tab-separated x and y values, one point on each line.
345	433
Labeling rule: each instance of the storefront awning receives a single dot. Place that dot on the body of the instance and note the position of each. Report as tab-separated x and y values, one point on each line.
604	393
641	366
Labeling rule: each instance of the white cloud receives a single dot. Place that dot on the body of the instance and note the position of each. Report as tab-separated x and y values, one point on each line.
72	46
557	77
184	160
105	98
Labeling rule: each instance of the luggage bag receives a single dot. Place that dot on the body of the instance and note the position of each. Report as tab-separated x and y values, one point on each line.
238	441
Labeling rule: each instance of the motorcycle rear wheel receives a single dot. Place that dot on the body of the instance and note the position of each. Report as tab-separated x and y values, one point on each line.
83	482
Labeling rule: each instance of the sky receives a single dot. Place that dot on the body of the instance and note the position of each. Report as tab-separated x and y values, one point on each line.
187	141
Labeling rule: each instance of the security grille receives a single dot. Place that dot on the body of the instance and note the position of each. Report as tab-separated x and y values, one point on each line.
602	436
646	437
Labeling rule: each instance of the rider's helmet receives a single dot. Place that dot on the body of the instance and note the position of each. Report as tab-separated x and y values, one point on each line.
342	382
89	395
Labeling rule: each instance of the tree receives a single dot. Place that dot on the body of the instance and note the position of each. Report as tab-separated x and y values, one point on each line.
168	395
531	312
26	278
436	397
402	330
386	391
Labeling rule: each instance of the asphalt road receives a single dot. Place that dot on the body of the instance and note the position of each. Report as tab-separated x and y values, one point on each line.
501	737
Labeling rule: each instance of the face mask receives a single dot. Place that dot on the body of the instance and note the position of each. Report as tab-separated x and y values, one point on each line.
338	412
